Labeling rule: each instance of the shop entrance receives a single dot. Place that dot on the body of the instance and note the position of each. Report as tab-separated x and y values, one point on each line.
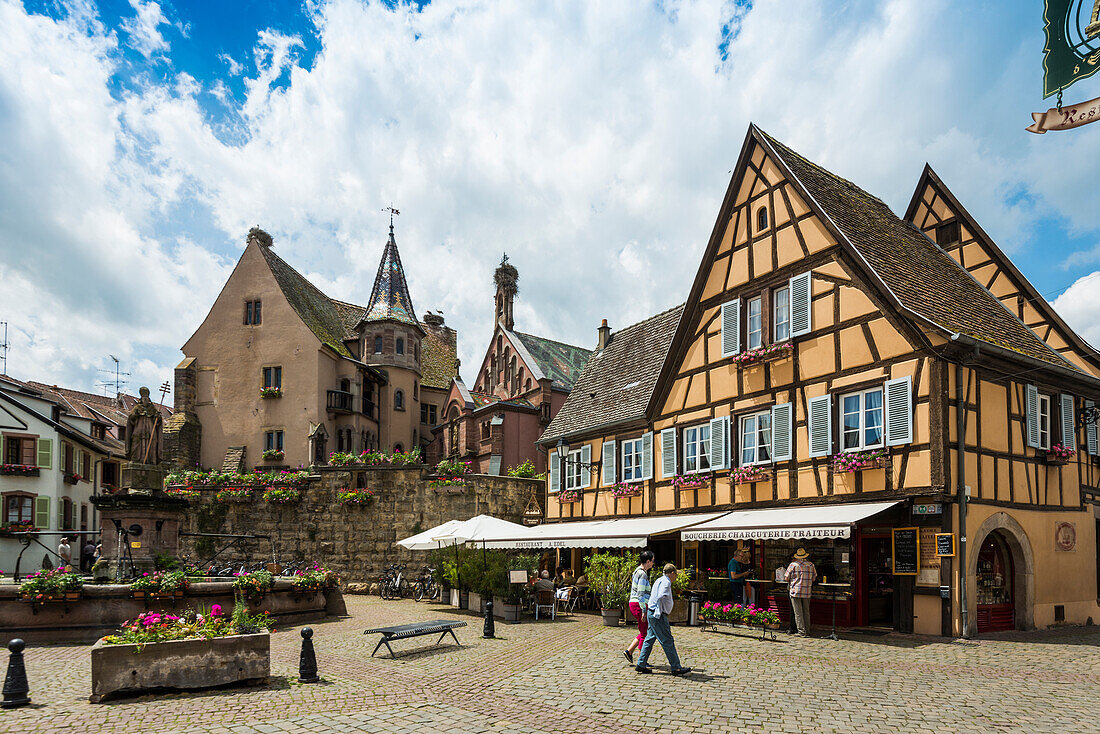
996	598
878	580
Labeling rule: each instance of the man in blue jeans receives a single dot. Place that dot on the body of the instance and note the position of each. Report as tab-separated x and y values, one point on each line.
657	611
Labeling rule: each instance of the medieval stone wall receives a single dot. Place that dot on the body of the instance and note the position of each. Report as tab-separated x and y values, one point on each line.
356	542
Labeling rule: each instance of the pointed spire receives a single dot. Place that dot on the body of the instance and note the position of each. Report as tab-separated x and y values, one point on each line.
390	299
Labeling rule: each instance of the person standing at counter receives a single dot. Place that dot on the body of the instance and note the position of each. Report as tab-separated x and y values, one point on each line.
800	577
739	570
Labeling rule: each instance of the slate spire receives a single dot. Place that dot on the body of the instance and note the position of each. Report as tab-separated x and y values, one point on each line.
390	299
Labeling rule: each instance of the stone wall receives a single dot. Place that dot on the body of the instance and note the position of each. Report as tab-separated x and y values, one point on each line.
356	542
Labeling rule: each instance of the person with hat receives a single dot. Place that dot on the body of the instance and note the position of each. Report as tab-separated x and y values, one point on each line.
800	577
657	610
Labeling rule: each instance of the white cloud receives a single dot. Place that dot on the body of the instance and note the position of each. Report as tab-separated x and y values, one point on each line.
592	142
144	28
1079	305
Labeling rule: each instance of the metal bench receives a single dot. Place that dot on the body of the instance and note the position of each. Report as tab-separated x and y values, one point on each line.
402	631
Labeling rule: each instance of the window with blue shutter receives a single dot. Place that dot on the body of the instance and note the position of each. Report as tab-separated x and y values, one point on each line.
801	312
668	453
731	328
820	426
899	411
782	431
1069	436
607	462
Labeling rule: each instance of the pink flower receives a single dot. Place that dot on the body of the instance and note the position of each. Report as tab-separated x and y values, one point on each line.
216	610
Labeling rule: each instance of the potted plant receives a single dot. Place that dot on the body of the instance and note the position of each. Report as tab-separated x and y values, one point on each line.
51	585
609	575
1059	455
273	455
254	585
354	497
281	495
267	393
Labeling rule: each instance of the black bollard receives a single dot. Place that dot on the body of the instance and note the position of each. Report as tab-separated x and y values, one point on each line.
307	662
15	683
490	626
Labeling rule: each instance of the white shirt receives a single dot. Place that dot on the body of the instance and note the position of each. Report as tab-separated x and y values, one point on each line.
660	598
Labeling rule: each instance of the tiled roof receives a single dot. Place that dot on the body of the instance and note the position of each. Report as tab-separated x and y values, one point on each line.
317	311
483	399
617	383
390	299
438	357
918	273
562	363
94	407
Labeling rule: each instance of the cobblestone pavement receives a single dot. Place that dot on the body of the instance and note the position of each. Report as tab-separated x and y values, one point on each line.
569	676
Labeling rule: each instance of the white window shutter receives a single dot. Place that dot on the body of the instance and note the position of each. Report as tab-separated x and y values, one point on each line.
586	458
800	304
1032	416
899	411
647	455
1091	437
555	472
782	415
719	439
1069	437
668	453
608	463
731	328
820	424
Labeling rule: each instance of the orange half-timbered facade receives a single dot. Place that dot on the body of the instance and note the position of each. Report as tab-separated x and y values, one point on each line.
831	353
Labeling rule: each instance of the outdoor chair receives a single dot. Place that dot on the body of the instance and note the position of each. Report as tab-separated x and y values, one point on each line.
544	599
569	603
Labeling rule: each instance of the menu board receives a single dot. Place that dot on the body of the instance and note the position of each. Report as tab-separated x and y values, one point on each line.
906	555
945	544
929	562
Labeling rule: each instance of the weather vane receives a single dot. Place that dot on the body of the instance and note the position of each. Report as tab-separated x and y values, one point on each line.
392	212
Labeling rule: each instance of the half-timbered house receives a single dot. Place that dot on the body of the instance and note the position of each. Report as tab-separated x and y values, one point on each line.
857	383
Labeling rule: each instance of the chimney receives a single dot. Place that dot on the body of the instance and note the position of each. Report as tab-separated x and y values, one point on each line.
605	335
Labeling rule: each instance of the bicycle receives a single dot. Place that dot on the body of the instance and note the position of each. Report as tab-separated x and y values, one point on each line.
426	586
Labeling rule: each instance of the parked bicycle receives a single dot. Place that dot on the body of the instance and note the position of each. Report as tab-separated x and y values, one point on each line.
393	584
426	586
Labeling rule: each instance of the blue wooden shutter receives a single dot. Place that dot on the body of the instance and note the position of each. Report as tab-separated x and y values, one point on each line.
1069	436
782	415
801	311
898	400
1091	433
731	328
1032	416
586	458
668	453
608	463
555	472
719	439
820	425
647	455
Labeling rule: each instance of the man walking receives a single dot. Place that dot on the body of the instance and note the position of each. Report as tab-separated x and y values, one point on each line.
800	577
66	554
657	611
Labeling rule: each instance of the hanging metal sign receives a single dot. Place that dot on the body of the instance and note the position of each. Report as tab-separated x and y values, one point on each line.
1073	43
1065	118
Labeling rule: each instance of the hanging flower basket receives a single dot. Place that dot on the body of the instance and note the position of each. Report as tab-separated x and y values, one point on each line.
848	462
281	496
234	494
624	489
691	481
766	353
569	495
1059	455
749	474
355	497
268	393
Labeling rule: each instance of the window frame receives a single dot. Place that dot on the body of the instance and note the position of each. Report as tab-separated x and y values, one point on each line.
399	399
762	218
7	499
574	472
757	445
253	312
776	339
1044	443
274	440
862	444
399	346
271	377
634	467
701	447
758	301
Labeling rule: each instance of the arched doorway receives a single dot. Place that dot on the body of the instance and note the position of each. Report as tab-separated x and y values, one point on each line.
995	579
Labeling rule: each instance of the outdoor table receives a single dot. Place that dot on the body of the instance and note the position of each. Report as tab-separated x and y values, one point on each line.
402	631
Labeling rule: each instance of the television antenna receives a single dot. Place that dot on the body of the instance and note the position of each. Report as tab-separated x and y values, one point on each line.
119	379
4	349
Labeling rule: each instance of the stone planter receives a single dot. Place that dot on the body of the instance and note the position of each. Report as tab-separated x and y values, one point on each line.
456	598
463	600
475	603
183	664
611	617
507	612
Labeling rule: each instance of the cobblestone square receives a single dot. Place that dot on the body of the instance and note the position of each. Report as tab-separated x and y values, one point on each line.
569	676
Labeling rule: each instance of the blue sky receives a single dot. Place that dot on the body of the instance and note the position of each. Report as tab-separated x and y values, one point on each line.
592	142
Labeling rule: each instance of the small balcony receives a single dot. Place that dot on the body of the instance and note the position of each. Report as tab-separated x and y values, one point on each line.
340	401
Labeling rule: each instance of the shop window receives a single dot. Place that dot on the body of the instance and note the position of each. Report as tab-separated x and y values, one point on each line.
400	346
1044	421
762	219
782	301
574	472
252	313
273	441
696	449
754	323
377	344
273	378
861	420
756	438
947	233
398	399
632	460
18	508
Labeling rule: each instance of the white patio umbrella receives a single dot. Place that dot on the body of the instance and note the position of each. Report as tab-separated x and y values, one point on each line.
479	528
426	540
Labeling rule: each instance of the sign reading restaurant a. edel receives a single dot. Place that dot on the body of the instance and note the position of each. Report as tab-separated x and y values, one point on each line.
1072	53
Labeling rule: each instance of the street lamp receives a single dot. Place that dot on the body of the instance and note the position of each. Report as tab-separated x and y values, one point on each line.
562	450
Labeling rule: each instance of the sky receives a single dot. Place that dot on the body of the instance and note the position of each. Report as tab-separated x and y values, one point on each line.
592	142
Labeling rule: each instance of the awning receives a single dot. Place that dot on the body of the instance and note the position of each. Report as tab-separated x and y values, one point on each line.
478	528
424	540
633	532
817	521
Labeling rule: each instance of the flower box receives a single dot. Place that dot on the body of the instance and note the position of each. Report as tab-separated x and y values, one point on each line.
72	478
354	497
19	470
268	393
273	455
848	462
281	496
180	664
766	353
622	489
1059	455
691	481
749	474
569	495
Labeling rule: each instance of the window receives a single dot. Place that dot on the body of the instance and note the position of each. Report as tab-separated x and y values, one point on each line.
1044	421
755	323
378	345
861	420
947	233
398	399
632	460
762	218
416	390
252	313
86	466
99	430
398	448
20	450
18	509
400	346
574	472
696	449
273	378
782	298
66	514
527	384
67	452
756	438
273	441
486	431
428	414
109	473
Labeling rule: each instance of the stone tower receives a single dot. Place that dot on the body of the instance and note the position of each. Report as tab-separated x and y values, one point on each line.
506	279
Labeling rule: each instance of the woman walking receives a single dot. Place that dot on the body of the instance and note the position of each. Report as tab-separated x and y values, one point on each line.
639	597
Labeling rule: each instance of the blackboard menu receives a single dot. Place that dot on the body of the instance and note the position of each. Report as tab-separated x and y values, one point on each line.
945	544
906	551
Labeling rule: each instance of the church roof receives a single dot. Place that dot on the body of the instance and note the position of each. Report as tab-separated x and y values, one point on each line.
390	299
562	363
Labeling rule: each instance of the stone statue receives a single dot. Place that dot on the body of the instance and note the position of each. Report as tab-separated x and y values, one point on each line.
143	431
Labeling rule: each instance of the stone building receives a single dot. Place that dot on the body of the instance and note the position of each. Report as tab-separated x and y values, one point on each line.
519	387
279	374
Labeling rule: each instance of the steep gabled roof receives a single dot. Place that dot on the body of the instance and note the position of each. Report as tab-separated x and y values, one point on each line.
560	362
917	275
617	382
317	311
438	357
389	298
